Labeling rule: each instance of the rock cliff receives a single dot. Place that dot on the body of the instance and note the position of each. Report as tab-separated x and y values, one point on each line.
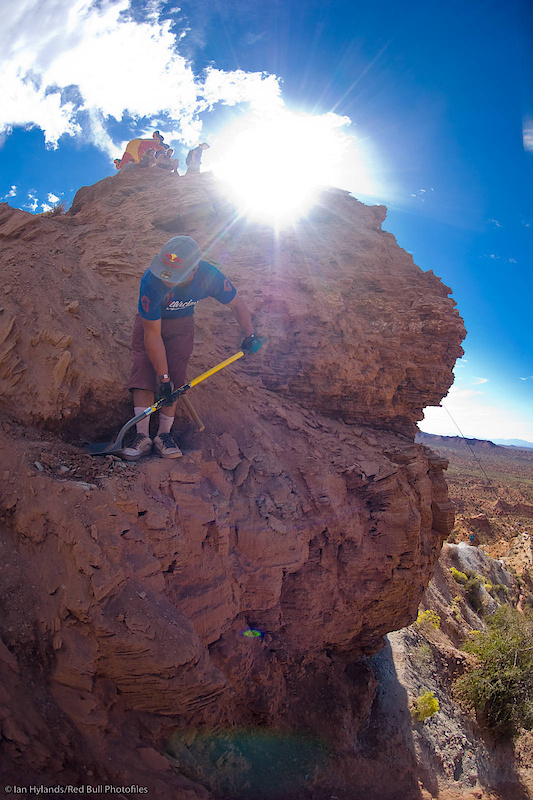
150	608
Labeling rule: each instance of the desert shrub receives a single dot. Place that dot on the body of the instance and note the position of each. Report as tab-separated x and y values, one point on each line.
455	609
473	591
471	582
428	617
58	208
500	687
497	590
424	706
458	576
422	656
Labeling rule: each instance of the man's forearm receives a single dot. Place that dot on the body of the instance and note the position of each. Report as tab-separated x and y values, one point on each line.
242	315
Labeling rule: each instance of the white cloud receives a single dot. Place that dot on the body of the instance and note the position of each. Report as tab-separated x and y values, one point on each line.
12	193
496	257
478	381
32	203
419	194
468	412
79	63
527	134
262	92
496	223
35	205
529	378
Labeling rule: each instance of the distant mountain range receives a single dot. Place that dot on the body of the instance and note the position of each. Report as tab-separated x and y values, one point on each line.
458	441
514	443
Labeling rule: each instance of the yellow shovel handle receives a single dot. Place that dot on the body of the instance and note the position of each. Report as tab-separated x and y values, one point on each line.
216	369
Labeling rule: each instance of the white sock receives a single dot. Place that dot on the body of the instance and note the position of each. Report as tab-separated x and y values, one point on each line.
165	423
144	425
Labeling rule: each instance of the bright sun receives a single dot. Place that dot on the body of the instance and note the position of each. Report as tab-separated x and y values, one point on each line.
273	166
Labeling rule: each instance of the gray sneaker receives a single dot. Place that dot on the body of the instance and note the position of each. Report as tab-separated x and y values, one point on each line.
165	445
141	446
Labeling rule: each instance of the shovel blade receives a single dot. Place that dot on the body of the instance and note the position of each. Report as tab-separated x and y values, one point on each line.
107	448
102	448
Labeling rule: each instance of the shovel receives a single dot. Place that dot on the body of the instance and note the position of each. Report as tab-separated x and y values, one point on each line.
108	448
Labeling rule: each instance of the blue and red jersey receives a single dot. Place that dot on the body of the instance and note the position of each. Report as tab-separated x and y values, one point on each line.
157	301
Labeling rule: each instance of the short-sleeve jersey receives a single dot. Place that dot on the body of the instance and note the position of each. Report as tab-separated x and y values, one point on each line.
157	301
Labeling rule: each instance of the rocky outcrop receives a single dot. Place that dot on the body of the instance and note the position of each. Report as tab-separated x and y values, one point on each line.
356	330
239	587
452	759
458	442
479	523
522	509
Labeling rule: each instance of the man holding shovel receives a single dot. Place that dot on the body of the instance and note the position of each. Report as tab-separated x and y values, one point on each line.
163	335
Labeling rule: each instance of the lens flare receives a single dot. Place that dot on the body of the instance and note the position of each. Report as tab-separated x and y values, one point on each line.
273	166
252	633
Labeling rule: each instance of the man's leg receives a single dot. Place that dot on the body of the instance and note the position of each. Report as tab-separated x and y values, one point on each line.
142	398
178	336
142	443
164	444
142	375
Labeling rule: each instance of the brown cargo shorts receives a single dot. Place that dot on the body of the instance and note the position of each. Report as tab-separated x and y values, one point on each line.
178	338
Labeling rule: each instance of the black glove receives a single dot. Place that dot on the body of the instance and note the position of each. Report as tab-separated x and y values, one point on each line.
164	392
252	343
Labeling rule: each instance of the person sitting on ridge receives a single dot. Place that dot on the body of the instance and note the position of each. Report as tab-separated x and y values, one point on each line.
160	139
136	148
163	335
165	161
148	159
194	158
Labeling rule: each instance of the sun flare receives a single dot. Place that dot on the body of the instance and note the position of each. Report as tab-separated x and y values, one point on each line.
273	167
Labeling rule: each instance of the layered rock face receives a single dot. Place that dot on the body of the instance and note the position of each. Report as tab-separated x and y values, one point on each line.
240	586
356	330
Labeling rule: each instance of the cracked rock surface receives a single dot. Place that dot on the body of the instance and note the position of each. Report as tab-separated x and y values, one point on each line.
244	585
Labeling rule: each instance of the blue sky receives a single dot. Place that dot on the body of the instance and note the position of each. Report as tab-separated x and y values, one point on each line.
425	107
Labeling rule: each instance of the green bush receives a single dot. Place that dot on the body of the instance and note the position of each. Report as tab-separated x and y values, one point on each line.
500	687
458	576
424	706
56	210
422	656
428	617
472	585
455	609
498	591
473	591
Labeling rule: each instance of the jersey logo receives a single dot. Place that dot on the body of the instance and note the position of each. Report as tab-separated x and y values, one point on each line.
145	303
172	260
227	285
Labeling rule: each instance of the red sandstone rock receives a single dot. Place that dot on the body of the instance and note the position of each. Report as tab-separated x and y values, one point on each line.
356	330
503	507
305	511
479	523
